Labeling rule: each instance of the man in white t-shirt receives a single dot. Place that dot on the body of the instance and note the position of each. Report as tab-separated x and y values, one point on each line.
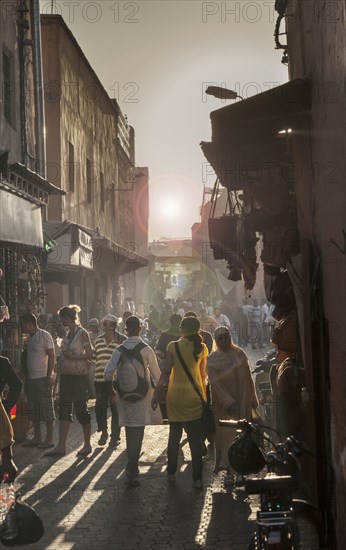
221	319
255	326
39	380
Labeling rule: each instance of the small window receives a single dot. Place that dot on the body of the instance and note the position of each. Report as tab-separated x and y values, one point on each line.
71	167
102	192
89	178
9	89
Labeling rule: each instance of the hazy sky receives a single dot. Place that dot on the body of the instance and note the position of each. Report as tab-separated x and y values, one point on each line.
157	57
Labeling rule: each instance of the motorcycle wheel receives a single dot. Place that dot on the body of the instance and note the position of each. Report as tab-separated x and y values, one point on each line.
309	525
286	542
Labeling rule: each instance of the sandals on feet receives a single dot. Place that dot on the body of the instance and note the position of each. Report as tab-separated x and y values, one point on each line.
103	439
46	446
114	442
30	443
54	452
84	451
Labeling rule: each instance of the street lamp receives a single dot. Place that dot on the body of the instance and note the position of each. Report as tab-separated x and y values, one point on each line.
222	93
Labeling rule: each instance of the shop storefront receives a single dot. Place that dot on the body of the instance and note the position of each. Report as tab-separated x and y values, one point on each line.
23	199
88	269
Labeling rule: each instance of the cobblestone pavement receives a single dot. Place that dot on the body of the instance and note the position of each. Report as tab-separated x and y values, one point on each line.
84	502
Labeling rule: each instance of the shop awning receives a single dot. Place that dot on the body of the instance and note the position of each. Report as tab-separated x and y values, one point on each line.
35	179
74	248
22	195
80	246
250	139
21	181
117	258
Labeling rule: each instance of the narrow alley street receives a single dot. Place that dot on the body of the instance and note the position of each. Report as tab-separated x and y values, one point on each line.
167	169
85	502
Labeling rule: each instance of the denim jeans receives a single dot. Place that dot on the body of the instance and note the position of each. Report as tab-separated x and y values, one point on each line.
134	438
256	337
266	333
103	392
194	436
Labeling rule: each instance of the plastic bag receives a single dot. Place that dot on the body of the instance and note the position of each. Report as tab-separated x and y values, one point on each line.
8	522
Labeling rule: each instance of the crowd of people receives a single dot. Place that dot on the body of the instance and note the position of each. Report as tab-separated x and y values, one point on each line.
164	367
250	323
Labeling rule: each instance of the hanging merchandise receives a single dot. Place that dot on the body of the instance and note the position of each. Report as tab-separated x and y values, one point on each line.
280	244
35	291
244	261
4	312
8	283
224	231
266	205
233	240
22	269
282	293
269	275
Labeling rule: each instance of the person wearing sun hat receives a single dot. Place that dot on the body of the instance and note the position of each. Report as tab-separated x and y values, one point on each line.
184	406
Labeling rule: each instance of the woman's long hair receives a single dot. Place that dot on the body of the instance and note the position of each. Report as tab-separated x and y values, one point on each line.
197	344
190	327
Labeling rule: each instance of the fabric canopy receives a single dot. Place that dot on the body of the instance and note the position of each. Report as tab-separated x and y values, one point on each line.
246	141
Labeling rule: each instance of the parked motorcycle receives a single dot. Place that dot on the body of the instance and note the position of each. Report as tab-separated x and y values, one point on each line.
283	521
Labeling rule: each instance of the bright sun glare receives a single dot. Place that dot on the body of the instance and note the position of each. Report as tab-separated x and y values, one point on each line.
170	208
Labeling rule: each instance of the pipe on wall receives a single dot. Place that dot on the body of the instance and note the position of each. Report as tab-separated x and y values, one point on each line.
38	86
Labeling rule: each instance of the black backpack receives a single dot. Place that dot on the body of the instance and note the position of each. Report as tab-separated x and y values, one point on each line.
132	377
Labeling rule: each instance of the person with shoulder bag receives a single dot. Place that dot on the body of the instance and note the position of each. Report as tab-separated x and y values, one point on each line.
184	373
74	364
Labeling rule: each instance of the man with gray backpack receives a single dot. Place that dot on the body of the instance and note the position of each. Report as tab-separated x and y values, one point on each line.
136	372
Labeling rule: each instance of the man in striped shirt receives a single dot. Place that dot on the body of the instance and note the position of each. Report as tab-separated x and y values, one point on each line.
105	394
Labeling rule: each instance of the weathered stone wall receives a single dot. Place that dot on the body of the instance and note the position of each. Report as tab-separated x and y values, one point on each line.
87	120
317	48
10	133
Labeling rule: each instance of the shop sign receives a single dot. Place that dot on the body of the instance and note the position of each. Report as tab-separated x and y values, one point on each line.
20	220
73	248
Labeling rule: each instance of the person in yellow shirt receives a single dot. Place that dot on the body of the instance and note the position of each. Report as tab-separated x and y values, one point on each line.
184	406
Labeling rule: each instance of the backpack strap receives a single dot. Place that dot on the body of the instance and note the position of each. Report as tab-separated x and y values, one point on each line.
134	352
